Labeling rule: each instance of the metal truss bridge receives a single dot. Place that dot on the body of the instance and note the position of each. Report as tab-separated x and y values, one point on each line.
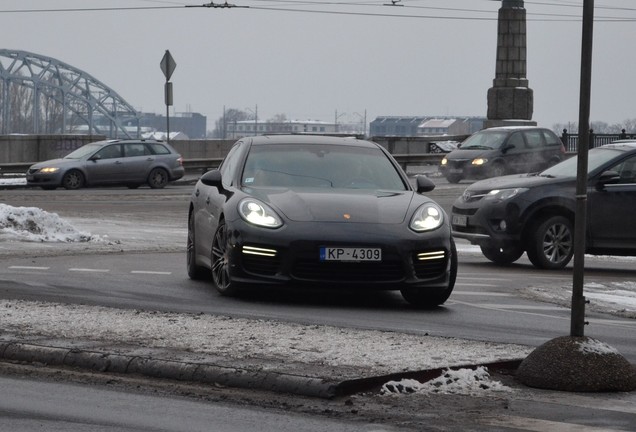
42	95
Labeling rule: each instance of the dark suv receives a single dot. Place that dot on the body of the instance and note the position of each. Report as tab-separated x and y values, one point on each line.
534	213
503	150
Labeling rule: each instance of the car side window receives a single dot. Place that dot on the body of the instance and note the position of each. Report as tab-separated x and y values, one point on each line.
627	170
551	139
134	149
534	139
159	149
230	164
516	139
109	152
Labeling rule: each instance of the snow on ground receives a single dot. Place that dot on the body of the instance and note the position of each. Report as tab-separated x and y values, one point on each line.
461	381
31	224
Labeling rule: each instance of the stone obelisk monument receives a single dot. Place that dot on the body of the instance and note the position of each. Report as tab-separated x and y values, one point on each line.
510	100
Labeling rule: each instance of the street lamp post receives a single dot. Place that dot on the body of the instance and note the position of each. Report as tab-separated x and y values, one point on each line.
363	119
336	120
255	113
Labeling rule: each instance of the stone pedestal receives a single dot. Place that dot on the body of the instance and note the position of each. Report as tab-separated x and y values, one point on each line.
510	99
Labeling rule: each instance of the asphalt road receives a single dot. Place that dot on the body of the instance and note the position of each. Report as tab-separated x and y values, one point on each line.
489	302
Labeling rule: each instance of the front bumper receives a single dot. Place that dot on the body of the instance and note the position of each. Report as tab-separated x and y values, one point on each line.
291	256
491	225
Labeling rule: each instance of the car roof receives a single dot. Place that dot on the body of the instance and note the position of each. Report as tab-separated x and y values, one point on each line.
625	145
309	139
513	128
123	141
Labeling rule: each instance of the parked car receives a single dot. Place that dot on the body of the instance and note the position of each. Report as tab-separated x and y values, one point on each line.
319	211
499	151
534	213
125	162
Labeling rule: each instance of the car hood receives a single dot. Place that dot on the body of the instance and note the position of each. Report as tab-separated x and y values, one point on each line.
462	154
518	181
339	206
54	163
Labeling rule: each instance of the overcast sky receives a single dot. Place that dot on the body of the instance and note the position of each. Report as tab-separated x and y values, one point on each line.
434	57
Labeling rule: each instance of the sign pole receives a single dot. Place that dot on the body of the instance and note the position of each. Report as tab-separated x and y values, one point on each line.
168	66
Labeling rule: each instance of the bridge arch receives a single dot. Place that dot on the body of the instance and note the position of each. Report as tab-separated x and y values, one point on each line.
42	95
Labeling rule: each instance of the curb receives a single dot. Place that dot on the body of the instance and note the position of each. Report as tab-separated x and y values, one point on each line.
169	369
208	373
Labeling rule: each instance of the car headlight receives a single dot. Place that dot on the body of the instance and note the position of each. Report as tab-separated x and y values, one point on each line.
258	213
49	170
444	161
479	161
504	194
427	217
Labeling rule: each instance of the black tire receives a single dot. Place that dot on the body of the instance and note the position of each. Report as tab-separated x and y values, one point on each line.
551	243
221	263
73	179
195	272
502	256
423	298
498	169
454	178
158	178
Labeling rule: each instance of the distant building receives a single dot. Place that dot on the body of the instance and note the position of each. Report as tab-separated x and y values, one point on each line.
422	126
193	125
395	126
238	129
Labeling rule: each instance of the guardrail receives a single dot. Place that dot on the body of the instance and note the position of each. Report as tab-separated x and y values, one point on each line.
203	165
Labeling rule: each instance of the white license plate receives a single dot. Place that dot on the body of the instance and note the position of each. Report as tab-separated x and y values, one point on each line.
350	254
455	170
460	220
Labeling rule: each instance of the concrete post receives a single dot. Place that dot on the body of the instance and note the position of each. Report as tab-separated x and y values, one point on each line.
510	100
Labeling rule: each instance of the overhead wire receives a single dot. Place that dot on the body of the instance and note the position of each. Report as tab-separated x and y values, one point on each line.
309	6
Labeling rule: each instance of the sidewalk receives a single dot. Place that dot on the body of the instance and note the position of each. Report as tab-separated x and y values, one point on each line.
317	361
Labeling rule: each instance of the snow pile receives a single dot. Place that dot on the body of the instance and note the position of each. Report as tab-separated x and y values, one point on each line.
32	224
462	381
594	346
617	298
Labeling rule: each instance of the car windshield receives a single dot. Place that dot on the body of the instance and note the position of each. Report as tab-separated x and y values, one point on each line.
83	151
484	140
596	158
320	166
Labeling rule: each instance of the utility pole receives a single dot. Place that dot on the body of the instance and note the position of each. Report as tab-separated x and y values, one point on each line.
577	323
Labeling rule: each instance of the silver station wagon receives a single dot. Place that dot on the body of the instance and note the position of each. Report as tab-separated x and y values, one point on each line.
114	162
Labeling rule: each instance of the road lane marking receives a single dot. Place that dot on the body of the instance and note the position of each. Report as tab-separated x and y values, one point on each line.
484	294
88	270
28	268
537	425
521	307
150	272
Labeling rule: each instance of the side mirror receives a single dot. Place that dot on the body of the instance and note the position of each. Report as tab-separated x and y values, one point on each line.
608	177
94	158
212	178
424	184
507	147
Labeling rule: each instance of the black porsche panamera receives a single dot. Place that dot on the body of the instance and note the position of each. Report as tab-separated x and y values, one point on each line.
326	212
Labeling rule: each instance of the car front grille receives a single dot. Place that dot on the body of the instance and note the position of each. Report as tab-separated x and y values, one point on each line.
314	270
430	264
464	211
